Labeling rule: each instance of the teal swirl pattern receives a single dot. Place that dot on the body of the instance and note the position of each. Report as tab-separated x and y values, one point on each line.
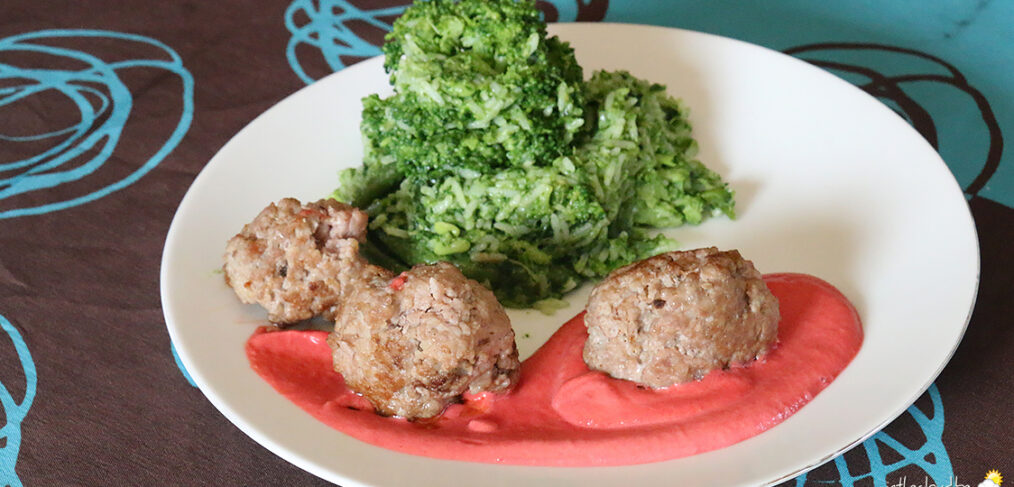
13	410
104	103
326	27
328	30
931	456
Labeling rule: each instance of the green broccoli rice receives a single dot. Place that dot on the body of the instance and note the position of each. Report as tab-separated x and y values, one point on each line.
495	154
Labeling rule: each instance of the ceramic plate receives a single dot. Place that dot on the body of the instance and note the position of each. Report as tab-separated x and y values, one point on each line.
828	181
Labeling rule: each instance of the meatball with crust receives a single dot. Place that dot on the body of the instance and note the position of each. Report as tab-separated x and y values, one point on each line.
415	343
294	259
675	317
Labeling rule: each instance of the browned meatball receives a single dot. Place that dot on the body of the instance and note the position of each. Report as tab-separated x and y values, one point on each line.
675	317
416	343
293	259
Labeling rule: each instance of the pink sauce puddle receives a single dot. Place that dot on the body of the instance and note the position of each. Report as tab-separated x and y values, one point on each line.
562	414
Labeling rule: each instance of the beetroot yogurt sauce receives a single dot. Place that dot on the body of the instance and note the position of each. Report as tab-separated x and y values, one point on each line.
560	413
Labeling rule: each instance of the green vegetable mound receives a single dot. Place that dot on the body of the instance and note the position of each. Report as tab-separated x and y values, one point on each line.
495	155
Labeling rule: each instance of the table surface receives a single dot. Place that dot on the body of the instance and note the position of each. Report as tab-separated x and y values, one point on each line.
93	163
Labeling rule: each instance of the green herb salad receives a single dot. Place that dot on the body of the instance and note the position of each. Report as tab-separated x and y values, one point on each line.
494	153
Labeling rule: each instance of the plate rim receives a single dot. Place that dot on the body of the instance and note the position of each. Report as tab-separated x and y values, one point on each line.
328	474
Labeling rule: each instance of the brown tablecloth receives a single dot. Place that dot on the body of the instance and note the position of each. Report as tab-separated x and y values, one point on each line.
110	108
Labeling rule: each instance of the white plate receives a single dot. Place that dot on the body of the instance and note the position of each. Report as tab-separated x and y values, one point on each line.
828	180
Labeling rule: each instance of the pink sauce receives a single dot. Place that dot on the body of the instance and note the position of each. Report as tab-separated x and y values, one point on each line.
562	414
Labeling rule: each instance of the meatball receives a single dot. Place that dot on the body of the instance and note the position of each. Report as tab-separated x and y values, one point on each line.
675	317
415	343
294	259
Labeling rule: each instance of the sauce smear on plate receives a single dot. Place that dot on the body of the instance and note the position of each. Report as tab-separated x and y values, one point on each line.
562	414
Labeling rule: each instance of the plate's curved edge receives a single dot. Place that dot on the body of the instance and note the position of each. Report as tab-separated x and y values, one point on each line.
812	465
329	474
202	175
922	389
168	252
556	29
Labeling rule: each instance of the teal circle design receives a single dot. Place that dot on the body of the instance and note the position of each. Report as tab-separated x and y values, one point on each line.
15	411
95	136
324	25
328	31
931	456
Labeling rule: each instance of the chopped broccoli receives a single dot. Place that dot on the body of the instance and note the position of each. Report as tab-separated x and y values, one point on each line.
503	228
478	86
493	154
642	146
362	185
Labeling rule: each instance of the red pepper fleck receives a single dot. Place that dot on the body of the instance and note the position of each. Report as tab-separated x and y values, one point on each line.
399	282
311	212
